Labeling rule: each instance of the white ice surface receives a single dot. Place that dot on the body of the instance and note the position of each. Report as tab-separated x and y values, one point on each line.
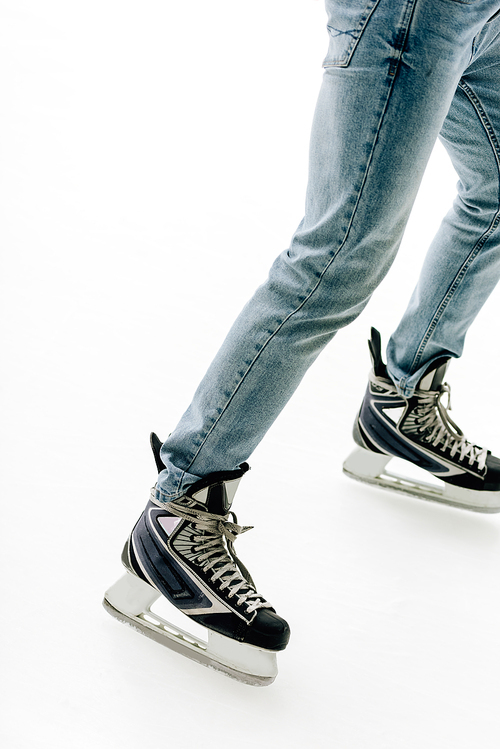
154	160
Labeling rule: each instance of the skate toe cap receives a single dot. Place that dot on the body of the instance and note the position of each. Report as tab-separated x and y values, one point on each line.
266	629
492	478
269	630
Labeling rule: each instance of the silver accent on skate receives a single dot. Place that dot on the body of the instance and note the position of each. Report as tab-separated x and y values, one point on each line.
169	524
130	599
394	414
202	495
230	488
370	468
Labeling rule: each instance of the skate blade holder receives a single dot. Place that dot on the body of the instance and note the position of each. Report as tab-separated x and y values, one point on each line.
370	468
130	599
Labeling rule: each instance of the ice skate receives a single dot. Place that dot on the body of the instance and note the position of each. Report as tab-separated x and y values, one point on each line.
419	430
183	550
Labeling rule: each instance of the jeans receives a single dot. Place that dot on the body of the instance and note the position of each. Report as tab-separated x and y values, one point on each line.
398	74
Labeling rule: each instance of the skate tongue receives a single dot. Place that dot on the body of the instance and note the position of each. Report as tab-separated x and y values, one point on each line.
433	378
216	491
217	498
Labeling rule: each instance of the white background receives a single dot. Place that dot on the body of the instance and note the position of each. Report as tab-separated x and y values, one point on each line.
154	160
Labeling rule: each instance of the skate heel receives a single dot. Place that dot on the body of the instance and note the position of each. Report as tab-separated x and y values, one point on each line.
130	596
365	465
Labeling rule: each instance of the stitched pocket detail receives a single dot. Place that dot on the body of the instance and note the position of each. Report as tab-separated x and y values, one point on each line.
346	22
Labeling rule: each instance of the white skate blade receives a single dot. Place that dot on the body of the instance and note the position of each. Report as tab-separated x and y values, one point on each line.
364	465
130	599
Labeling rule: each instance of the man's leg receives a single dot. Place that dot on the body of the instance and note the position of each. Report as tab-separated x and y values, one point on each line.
463	263
390	76
391	72
402	413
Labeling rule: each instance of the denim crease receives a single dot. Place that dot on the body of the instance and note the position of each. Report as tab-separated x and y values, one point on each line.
397	75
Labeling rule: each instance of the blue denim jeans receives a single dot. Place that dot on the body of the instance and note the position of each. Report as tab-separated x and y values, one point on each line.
398	74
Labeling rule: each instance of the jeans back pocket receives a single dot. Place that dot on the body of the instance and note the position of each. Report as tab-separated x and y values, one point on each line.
346	22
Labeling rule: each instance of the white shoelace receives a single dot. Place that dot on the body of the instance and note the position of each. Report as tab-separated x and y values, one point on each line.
211	553
432	417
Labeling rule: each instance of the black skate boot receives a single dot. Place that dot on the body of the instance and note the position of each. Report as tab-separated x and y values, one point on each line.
184	551
419	430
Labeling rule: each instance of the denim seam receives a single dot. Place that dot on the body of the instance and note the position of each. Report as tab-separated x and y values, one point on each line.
400	41
390	83
495	145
